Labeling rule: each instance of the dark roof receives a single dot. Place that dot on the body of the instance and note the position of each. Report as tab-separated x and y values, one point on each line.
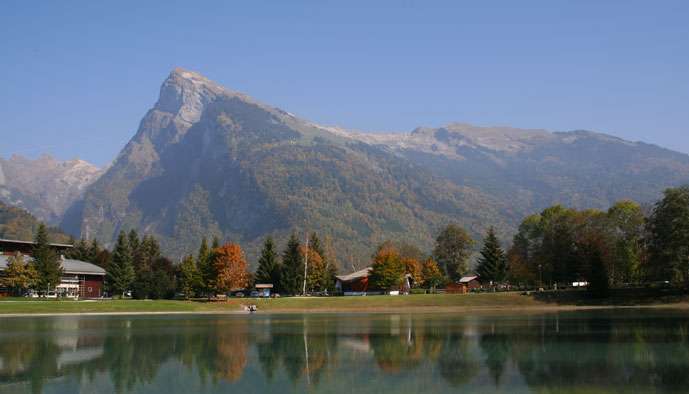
70	266
16	241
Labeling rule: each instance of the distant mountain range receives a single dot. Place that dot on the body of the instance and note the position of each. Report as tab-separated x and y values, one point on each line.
45	186
209	161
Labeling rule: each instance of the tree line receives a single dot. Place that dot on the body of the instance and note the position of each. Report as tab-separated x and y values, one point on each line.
625	245
618	247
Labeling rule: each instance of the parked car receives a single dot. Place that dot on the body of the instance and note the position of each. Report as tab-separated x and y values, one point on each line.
254	294
239	294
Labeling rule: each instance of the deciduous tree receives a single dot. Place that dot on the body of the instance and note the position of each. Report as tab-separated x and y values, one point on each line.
387	270
452	250
668	237
230	266
19	276
431	274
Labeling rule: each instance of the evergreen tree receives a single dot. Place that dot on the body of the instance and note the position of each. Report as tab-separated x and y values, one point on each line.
292	277
492	265
452	250
269	268
135	247
216	243
46	261
121	274
205	268
188	277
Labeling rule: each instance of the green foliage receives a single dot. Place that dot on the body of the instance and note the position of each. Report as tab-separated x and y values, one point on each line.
668	237
207	274
492	265
121	274
292	276
625	227
269	267
189	277
387	270
452	250
47	263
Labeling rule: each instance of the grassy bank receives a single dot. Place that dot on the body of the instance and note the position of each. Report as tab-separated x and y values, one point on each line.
412	303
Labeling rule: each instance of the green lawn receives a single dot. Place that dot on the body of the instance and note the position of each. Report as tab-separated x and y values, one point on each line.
324	304
411	303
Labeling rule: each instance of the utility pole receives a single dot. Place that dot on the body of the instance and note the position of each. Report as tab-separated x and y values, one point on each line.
306	262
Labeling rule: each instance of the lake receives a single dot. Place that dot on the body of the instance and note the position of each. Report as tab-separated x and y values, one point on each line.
572	352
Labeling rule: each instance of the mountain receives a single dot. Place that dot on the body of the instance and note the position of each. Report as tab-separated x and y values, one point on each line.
209	161
16	223
533	169
45	186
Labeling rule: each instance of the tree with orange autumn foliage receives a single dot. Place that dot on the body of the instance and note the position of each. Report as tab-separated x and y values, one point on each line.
413	268
387	270
230	266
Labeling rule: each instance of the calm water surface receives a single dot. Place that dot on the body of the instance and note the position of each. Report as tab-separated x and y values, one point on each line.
586	352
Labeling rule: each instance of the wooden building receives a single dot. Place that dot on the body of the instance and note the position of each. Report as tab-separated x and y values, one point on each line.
80	278
355	283
464	285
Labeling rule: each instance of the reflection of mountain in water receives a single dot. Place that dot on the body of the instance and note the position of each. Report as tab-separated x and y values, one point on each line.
384	353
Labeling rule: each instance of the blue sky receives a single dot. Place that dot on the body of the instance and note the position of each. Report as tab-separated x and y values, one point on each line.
77	76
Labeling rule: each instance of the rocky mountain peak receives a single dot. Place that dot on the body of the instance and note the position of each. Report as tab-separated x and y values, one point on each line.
186	93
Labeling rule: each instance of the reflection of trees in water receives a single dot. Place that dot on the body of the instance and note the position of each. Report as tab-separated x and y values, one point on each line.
637	354
401	344
305	350
131	351
552	352
457	363
496	347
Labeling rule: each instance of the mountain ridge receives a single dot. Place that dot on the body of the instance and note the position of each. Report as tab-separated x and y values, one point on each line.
211	161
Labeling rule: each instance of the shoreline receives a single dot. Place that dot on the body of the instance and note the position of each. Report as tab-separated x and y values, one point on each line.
502	310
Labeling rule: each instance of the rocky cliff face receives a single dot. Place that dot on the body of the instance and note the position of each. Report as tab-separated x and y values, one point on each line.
46	187
208	161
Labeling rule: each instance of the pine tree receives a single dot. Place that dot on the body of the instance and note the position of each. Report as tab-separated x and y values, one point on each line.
269	268
292	277
121	274
135	247
205	268
188	277
46	261
492	265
